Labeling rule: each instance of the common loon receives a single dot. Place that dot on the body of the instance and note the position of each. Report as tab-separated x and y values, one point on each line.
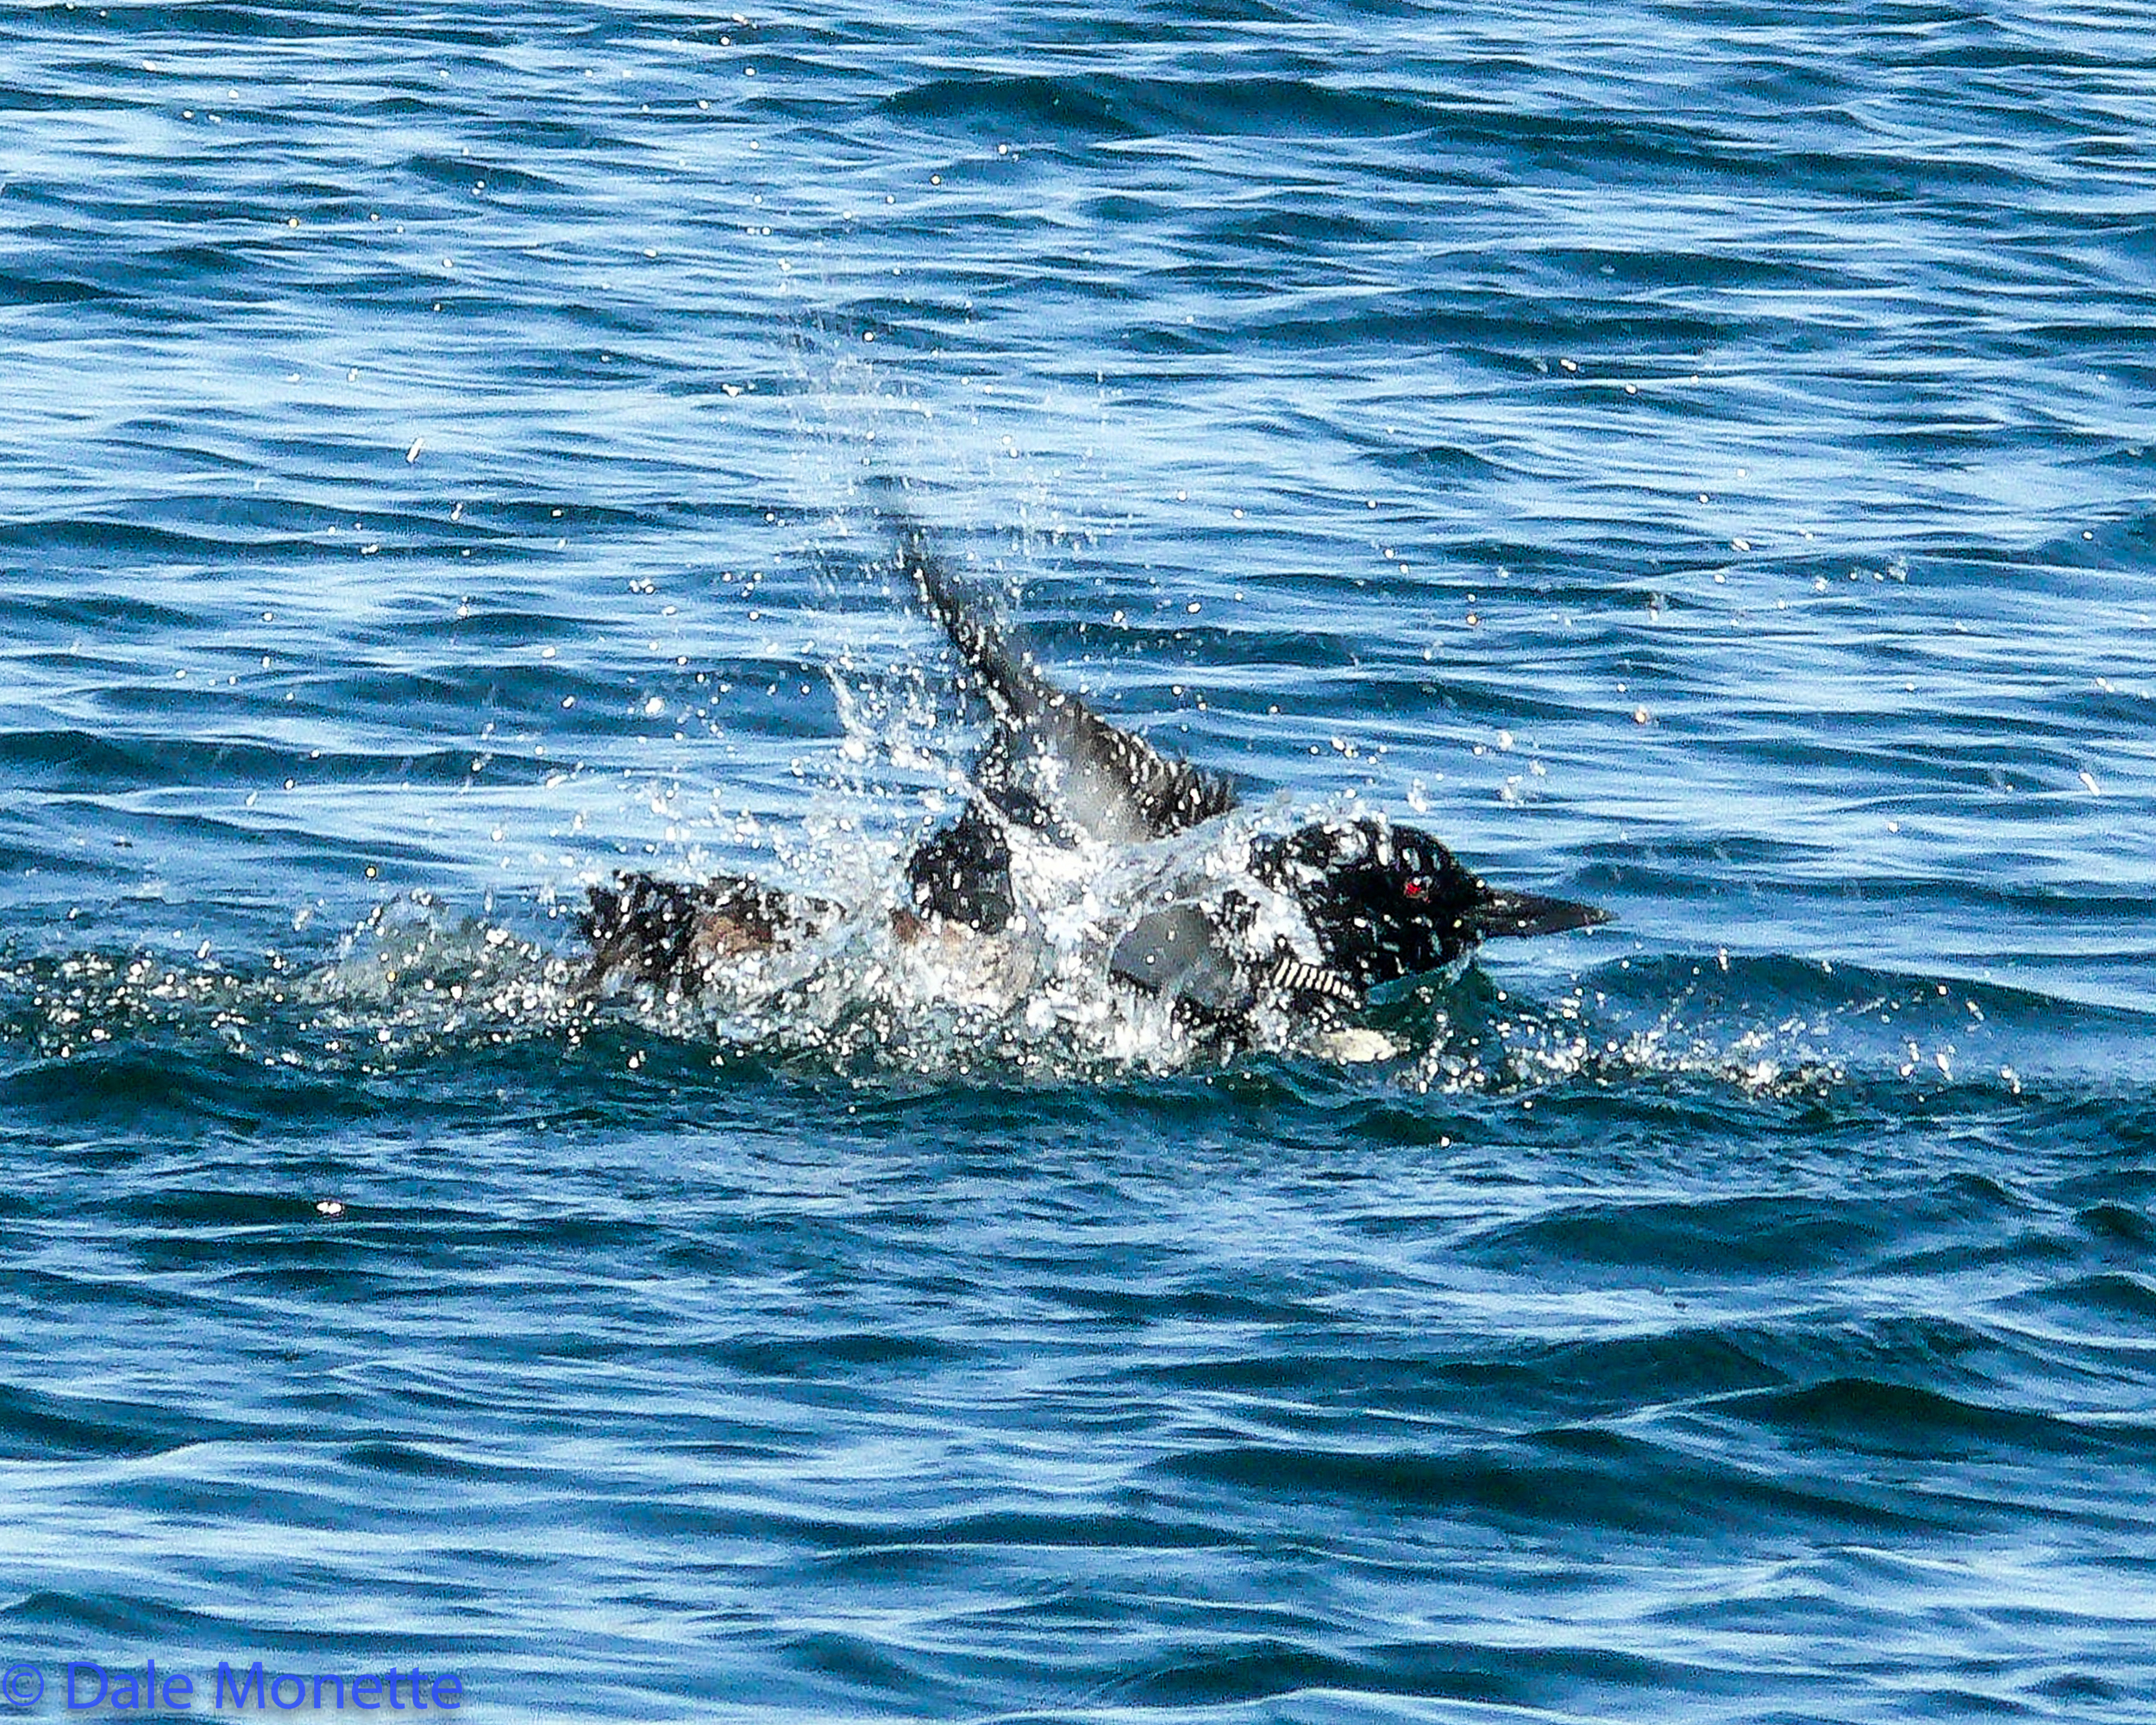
1377	901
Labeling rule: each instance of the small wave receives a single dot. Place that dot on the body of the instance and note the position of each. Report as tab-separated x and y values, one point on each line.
38	1425
1584	1477
1872	1417
1114	108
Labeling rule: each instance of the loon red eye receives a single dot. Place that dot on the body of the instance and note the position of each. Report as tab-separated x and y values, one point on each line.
1416	890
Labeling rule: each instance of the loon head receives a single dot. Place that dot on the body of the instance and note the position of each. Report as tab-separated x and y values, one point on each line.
1387	901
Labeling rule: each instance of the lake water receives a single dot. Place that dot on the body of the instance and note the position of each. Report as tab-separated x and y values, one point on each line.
1694	458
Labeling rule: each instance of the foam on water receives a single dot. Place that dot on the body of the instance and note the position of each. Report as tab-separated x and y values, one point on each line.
418	980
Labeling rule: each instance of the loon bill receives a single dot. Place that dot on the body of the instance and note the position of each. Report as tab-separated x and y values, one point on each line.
1376	901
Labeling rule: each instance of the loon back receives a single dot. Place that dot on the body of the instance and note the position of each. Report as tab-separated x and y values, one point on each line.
1052	760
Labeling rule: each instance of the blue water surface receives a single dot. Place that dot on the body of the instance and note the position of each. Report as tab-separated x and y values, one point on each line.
1694	457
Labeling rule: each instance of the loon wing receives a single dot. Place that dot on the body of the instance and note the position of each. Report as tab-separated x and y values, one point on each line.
1181	954
1052	758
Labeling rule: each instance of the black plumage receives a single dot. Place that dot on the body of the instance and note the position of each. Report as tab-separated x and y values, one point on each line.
1379	902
